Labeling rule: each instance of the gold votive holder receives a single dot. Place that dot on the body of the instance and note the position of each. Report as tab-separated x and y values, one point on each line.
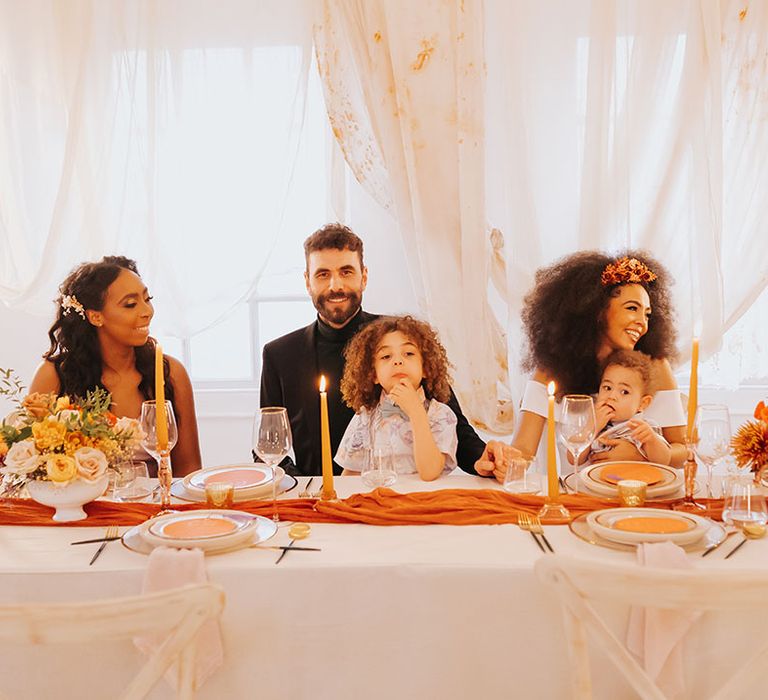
219	495
632	493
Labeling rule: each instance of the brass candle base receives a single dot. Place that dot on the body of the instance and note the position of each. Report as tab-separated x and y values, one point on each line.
554	512
689	504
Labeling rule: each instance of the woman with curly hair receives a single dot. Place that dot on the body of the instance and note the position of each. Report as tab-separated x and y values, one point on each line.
581	309
396	380
100	338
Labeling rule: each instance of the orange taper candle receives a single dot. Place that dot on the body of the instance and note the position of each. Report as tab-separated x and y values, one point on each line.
553	491
325	444
161	425
693	391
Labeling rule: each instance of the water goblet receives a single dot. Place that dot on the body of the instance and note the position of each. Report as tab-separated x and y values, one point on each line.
161	454
713	432
577	425
272	442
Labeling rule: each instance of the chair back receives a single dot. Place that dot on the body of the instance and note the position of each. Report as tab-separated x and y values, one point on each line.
576	582
178	612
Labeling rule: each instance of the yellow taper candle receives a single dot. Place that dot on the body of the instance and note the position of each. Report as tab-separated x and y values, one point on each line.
161	425
553	490
693	391
325	444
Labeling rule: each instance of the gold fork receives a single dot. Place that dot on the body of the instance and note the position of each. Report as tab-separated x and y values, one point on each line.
305	493
524	523
537	528
111	532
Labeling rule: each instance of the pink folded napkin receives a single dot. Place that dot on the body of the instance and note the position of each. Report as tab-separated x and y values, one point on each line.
173	568
655	635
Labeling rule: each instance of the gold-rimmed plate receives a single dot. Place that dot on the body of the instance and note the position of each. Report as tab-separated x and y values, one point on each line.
286	483
714	534
601	478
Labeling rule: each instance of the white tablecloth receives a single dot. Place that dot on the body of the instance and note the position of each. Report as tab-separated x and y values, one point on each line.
381	612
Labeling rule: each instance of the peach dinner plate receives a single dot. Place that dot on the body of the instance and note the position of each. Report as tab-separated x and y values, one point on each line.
242	477
601	479
636	525
616	471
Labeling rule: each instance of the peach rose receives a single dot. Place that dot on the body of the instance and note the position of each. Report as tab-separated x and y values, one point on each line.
49	433
61	469
91	463
37	404
130	429
22	458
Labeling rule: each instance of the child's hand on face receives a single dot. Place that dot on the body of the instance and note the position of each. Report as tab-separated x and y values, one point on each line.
603	413
641	431
404	395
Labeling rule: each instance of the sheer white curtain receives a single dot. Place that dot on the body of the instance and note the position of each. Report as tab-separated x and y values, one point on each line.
566	124
615	123
404	91
164	131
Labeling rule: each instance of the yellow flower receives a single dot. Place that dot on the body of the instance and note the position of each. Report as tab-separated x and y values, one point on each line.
60	468
48	433
3	448
107	445
74	441
62	403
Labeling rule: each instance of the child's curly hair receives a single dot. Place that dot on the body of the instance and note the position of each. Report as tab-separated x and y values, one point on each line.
358	385
634	360
563	318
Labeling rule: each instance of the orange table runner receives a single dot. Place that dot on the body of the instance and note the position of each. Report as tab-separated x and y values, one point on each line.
379	507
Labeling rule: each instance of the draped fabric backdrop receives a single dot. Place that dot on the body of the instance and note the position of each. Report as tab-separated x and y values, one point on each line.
108	145
404	91
567	125
500	135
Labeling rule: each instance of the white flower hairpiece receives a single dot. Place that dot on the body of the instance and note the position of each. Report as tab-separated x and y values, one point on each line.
70	303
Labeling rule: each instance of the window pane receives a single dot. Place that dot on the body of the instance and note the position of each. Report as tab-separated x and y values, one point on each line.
277	318
224	350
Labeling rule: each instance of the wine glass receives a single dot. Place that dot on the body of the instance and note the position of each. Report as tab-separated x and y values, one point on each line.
272	442
148	421
577	424
713	430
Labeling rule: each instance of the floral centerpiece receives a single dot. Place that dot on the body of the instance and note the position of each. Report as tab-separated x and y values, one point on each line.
61	439
750	443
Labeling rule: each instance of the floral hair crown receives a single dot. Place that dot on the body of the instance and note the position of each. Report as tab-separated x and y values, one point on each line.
626	270
70	303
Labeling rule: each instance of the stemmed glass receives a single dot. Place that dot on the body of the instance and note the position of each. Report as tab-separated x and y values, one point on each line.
148	422
713	428
272	442
577	425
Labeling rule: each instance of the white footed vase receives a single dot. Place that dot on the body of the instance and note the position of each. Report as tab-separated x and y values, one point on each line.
67	500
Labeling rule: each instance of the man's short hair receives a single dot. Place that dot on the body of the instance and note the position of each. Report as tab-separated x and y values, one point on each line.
335	237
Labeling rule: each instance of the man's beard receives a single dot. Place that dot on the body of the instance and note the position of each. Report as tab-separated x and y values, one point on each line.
336	313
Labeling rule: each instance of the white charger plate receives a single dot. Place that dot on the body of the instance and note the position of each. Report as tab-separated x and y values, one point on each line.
286	483
604	523
714	534
235	519
249	480
589	477
263	529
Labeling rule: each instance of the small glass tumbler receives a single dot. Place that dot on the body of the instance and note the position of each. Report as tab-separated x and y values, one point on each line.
219	495
632	493
743	504
130	482
379	469
520	478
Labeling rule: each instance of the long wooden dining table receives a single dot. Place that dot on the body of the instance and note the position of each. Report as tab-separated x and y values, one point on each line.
381	612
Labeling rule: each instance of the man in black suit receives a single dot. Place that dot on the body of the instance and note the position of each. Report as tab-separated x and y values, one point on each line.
336	277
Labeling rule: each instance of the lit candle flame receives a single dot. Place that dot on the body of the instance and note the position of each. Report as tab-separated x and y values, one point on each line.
322	383
551	389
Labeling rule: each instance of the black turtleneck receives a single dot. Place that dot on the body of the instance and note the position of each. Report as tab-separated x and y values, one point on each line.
330	362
